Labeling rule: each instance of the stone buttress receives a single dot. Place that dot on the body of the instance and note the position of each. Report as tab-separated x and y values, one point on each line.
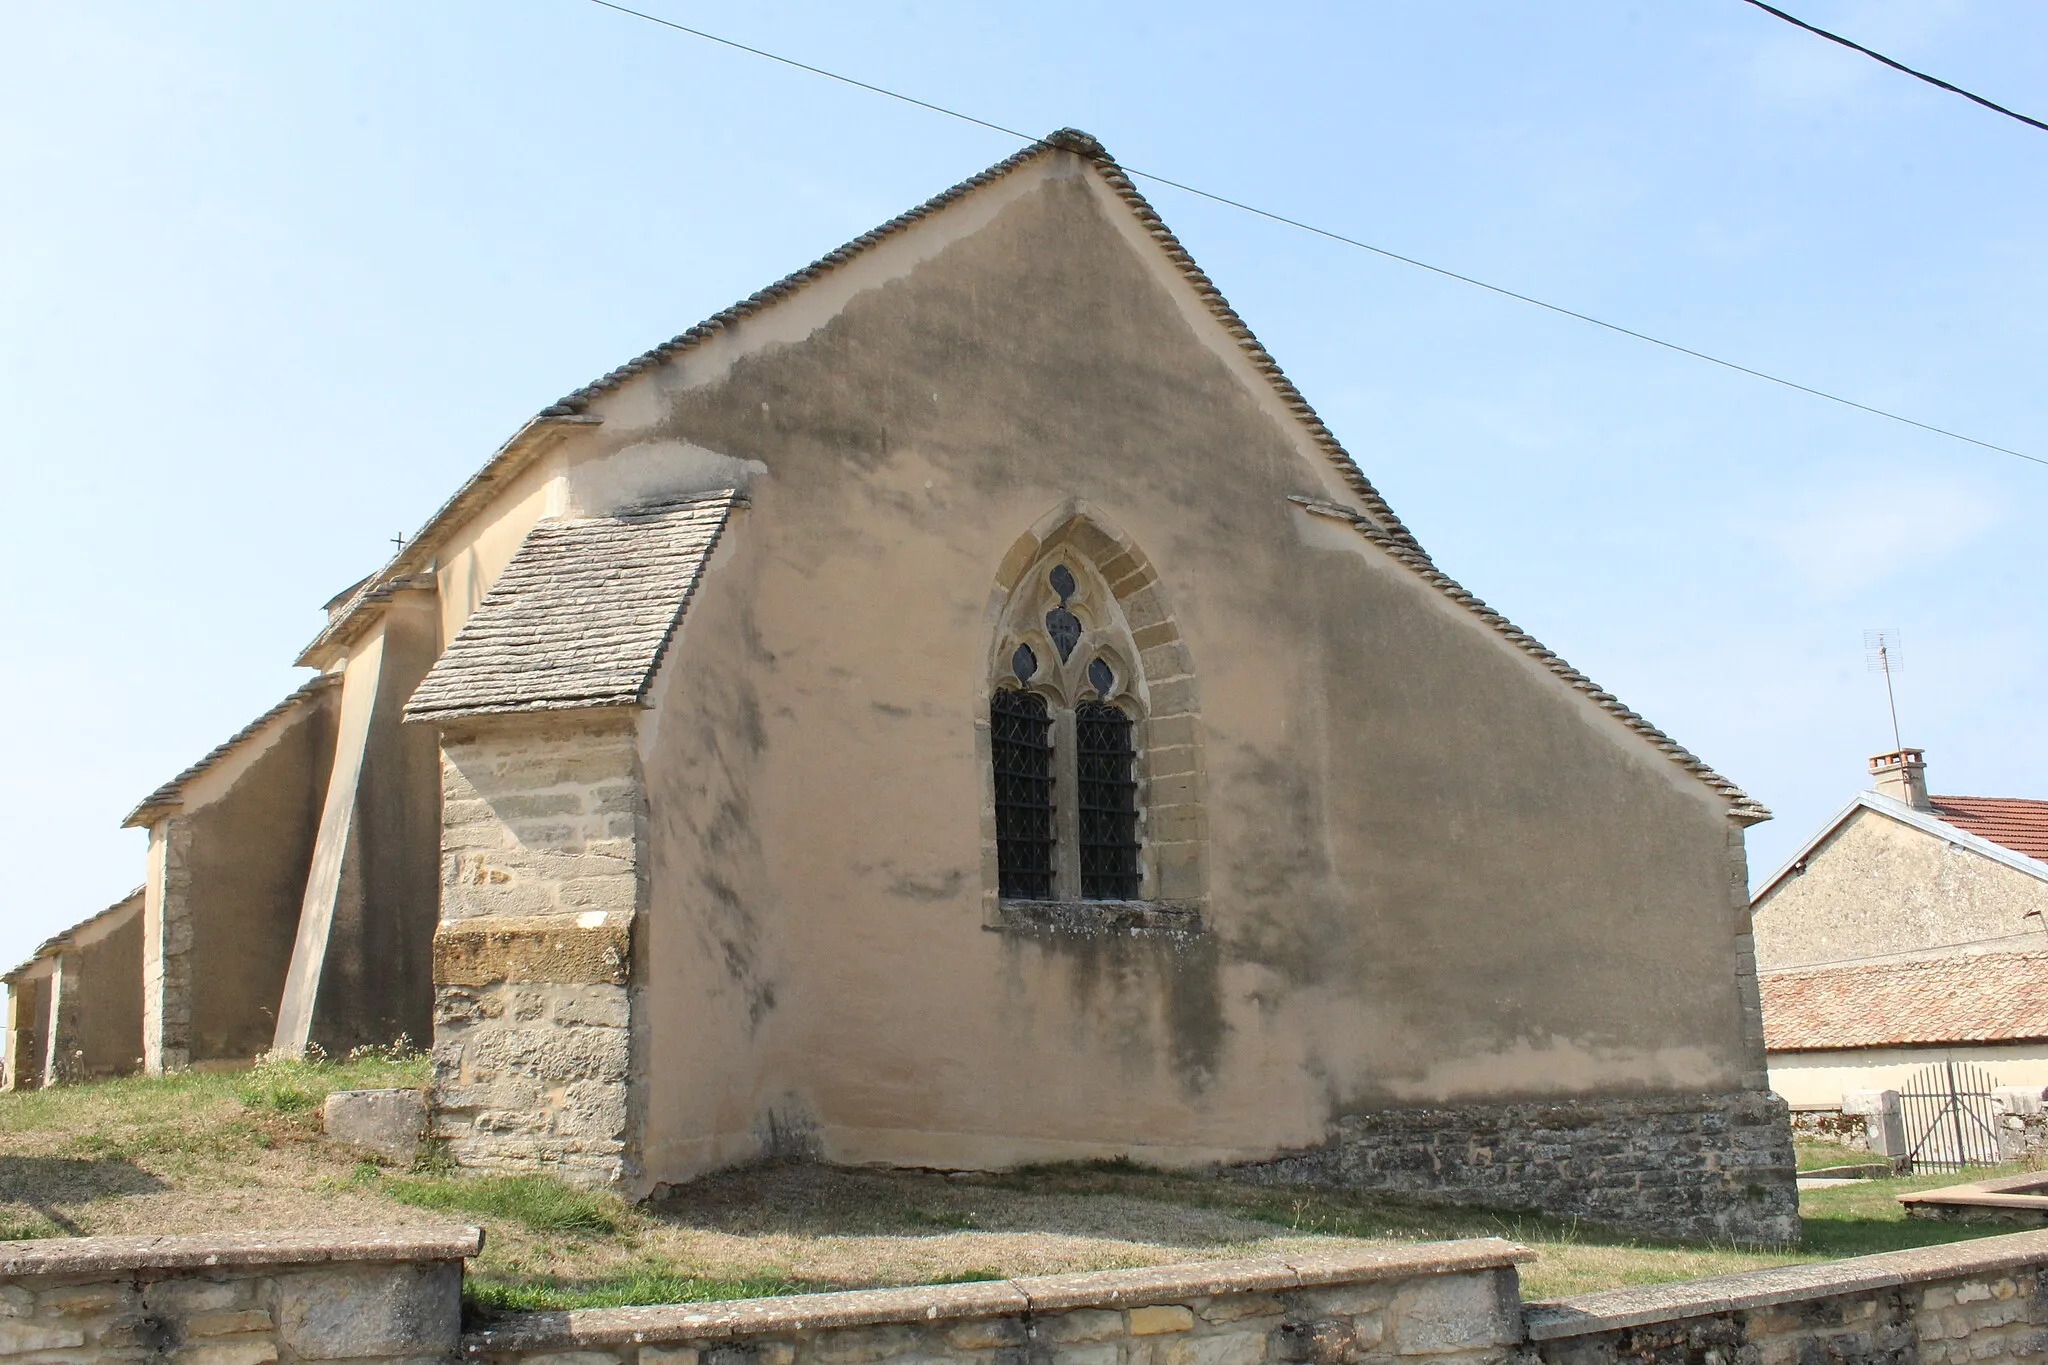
543	879
544	837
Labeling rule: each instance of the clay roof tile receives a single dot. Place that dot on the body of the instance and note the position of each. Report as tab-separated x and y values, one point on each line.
1981	998
2009	821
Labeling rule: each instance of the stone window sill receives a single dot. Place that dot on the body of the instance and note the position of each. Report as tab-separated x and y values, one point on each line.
1099	918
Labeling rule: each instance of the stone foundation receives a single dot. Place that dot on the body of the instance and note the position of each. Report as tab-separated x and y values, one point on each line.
1694	1167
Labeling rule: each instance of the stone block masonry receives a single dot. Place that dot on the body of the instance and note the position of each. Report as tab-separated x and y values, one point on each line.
1696	1167
235	1300
1972	1301
1445	1301
543	879
258	1298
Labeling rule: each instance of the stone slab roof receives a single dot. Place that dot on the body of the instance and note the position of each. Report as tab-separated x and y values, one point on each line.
1375	519
128	905
2017	824
581	616
170	794
1981	998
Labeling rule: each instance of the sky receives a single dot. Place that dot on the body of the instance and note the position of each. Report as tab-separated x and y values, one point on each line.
275	278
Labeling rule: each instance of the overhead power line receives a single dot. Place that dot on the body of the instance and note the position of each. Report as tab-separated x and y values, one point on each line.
1333	236
1876	56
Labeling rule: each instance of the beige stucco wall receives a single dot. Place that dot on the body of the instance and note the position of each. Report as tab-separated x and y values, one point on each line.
104	965
28	1025
478	550
360	955
1808	1080
1436	872
1878	885
225	874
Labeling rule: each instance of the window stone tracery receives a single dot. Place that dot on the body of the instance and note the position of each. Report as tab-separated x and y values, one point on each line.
1077	744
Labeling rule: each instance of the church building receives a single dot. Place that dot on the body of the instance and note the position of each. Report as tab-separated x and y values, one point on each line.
957	708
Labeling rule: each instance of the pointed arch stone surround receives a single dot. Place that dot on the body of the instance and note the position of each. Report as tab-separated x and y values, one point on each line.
1126	619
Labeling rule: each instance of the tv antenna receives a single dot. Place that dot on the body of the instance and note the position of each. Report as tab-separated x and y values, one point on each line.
1881	653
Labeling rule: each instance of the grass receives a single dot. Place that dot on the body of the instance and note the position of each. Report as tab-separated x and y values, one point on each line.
539	1203
243	1149
490	1294
1817	1154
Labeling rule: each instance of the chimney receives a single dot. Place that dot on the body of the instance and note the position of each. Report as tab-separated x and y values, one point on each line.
1902	775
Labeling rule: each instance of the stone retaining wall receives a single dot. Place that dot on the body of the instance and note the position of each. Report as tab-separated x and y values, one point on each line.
1972	1301
254	1299
235	1300
1698	1167
1443	1301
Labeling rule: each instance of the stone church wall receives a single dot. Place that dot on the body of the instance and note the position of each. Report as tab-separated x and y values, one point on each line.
361	960
28	1029
1437	875
226	873
96	1022
542	880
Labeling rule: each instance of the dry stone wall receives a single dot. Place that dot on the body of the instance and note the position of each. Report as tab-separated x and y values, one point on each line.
235	1300
543	876
1700	1167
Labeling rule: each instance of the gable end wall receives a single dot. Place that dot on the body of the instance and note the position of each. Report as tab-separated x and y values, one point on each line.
1878	885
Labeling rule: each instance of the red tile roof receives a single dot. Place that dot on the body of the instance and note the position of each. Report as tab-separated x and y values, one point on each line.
2019	825
1983	998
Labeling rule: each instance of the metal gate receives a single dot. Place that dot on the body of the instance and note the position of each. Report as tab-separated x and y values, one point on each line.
1950	1118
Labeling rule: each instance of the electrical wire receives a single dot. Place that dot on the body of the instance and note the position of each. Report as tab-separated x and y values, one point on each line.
1876	56
1335	236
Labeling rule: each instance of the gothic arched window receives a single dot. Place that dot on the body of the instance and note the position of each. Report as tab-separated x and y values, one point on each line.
1063	743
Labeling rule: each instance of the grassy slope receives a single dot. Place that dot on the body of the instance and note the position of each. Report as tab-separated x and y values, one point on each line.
243	1149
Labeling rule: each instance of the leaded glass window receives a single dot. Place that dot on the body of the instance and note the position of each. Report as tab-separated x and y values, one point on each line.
1107	800
1020	734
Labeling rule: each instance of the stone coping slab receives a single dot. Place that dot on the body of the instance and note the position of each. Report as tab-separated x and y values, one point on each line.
206	1251
1611	1310
2027	1190
1132	1288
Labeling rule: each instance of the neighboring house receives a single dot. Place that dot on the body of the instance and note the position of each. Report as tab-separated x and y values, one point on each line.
1832	1031
1909	929
960	707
